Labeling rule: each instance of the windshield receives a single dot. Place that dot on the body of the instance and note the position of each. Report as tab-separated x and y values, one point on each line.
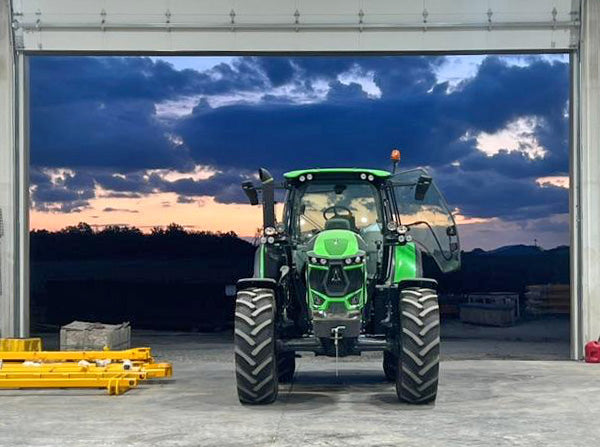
351	205
431	224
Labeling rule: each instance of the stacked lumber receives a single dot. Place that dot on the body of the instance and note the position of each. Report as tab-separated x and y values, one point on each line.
548	299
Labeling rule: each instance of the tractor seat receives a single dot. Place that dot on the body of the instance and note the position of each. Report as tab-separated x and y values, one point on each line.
341	223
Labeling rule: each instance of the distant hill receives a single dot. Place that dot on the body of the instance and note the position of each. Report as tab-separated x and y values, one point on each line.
516	250
509	268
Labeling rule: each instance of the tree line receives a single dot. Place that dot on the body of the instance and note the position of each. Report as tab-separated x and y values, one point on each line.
82	241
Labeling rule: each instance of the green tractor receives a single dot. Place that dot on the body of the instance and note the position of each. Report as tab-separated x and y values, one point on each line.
340	274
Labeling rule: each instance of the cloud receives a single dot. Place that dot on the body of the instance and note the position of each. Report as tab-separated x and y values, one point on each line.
184	199
132	127
517	136
561	181
119	210
59	191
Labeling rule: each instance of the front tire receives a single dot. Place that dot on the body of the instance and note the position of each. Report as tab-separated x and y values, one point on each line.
255	354
419	346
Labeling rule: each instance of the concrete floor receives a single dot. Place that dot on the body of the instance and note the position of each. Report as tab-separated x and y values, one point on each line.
481	402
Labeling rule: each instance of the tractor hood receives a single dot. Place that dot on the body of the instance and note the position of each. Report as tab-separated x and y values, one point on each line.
337	244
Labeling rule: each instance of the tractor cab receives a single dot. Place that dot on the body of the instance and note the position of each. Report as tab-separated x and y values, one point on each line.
382	210
340	268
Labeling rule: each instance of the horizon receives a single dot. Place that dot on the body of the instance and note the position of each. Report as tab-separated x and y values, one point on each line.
144	141
190	229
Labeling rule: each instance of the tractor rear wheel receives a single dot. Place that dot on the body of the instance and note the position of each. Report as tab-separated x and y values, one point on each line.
286	366
419	346
390	365
255	355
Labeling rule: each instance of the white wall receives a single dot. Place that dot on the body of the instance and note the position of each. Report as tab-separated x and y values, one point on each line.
7	184
270	25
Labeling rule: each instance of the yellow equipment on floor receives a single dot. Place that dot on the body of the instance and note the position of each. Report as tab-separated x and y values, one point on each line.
117	371
20	344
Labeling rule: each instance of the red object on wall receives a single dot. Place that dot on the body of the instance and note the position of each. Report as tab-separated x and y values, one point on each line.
592	352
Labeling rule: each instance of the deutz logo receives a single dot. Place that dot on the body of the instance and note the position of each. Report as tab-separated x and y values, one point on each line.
336	276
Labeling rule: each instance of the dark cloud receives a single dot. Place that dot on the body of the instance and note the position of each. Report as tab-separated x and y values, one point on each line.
97	116
60	194
184	199
343	93
122	134
101	111
119	210
123	195
224	187
488	194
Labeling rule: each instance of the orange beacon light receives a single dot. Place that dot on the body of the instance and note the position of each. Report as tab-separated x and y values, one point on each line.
395	156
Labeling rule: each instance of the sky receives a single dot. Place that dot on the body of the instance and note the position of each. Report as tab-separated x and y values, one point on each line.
149	141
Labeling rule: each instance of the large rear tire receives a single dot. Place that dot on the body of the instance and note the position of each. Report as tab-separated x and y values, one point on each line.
419	346
255	354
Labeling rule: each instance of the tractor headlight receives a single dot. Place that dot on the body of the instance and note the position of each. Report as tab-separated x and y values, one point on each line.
392	226
348	261
317	261
270	231
358	259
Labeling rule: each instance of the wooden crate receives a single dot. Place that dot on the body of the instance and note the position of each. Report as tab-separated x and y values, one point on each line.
548	299
491	309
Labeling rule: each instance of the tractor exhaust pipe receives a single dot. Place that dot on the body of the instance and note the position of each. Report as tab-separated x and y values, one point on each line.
268	197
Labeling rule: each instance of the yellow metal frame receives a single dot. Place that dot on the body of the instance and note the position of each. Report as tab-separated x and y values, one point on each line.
148	370
20	344
117	371
114	385
136	354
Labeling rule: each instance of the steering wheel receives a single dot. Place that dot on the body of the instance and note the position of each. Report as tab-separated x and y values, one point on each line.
335	209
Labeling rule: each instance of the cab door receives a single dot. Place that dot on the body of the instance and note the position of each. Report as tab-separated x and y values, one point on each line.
421	207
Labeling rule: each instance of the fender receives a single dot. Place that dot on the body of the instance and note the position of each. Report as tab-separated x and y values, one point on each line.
263	283
418	282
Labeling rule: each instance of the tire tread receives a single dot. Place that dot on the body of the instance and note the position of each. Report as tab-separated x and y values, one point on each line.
418	346
254	339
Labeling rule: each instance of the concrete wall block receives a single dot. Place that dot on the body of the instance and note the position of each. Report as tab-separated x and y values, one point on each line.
81	335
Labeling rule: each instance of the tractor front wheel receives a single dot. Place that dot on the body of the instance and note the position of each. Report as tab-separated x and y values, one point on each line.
418	346
255	354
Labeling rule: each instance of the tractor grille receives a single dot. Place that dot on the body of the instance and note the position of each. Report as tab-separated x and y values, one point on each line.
337	309
335	281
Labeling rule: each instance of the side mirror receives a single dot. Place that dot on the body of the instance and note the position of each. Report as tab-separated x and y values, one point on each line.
264	175
251	192
422	187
